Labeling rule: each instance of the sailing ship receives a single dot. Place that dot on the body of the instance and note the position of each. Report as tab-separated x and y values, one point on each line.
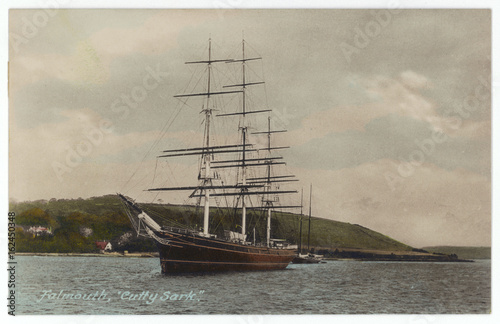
185	250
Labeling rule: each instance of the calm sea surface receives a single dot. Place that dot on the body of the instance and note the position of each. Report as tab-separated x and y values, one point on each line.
129	286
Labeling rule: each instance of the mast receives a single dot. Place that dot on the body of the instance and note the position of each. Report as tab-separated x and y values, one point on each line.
309	231
206	151
268	202
267	162
206	157
244	134
301	214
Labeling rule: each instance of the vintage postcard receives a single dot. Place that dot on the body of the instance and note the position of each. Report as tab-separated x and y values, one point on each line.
249	162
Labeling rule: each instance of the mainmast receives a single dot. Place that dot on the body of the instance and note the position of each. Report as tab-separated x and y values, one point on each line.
267	161
207	180
244	129
244	136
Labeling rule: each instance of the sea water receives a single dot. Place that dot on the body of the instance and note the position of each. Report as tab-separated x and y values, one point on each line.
123	285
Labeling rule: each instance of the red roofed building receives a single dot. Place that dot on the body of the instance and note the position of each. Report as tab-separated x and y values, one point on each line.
104	246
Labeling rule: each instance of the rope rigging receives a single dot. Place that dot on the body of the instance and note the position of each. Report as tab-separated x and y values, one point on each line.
221	216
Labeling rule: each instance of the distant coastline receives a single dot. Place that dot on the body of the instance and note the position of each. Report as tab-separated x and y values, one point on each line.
464	252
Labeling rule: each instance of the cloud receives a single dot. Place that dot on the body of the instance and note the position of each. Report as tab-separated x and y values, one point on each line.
393	137
78	126
454	207
90	59
79	147
400	96
414	80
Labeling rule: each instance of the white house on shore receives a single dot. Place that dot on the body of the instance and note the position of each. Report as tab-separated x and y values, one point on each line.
39	230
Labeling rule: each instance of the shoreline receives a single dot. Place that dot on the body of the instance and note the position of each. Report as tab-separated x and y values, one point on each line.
105	254
382	258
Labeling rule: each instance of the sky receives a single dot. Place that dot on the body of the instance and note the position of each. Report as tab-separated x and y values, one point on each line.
388	112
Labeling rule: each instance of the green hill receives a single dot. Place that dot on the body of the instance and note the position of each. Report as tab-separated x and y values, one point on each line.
463	252
325	233
104	217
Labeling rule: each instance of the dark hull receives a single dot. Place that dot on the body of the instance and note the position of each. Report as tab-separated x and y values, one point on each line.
188	253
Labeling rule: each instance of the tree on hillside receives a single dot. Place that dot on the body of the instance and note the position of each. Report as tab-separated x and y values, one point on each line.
35	216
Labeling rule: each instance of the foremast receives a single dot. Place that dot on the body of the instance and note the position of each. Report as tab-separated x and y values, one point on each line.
206	151
207	176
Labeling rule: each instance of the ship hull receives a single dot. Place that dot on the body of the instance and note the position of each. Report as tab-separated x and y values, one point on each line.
188	253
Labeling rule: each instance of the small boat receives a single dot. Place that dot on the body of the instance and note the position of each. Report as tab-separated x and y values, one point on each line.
309	257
